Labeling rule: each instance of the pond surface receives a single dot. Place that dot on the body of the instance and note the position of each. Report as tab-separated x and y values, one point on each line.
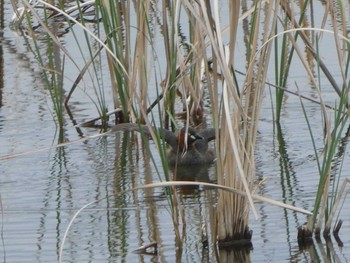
40	191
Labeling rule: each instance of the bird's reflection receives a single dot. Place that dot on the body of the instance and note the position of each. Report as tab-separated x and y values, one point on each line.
193	173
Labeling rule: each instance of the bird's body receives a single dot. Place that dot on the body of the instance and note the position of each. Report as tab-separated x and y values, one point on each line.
187	147
188	150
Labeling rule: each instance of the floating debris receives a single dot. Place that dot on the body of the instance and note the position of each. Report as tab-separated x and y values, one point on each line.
149	249
45	12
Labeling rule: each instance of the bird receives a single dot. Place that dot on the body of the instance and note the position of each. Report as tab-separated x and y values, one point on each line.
187	146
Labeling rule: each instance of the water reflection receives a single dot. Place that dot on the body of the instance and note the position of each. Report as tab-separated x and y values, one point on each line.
235	255
195	173
318	251
54	199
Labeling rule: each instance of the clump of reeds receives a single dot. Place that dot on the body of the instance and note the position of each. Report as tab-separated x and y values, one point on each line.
329	192
235	113
52	62
325	206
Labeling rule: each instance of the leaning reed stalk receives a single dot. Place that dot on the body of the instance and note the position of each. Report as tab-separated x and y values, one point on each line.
115	20
287	53
323	207
311	51
192	61
52	65
140	59
93	67
170	14
139	97
47	25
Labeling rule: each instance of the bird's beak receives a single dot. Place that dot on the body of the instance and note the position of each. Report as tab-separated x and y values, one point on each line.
197	137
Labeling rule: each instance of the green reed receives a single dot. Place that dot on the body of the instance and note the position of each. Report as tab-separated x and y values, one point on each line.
282	65
324	202
52	67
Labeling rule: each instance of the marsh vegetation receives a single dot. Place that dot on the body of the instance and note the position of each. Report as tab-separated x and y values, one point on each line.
171	64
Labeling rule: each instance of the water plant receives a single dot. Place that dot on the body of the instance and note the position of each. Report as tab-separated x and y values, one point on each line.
328	188
234	104
52	63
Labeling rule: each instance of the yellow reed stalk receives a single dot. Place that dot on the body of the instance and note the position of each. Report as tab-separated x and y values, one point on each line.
140	60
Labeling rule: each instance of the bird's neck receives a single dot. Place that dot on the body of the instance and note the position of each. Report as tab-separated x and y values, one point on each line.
182	142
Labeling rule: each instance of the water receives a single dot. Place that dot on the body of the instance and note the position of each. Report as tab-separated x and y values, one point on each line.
42	191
